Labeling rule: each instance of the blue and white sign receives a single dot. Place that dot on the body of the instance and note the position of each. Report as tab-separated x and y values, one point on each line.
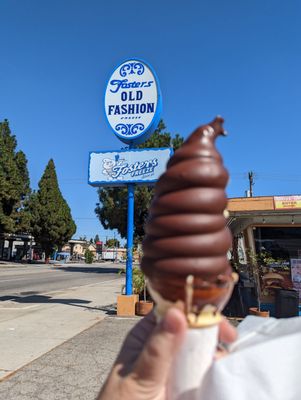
118	168
133	101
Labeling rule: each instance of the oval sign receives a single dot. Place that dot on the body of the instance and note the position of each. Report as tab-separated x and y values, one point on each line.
133	101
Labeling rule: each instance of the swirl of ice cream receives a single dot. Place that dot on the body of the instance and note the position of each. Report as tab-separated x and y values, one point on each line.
186	232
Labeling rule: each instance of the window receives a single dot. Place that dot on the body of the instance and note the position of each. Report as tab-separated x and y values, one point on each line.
280	242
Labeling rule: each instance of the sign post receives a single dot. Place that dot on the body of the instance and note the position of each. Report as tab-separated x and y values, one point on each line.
128	168
132	107
130	240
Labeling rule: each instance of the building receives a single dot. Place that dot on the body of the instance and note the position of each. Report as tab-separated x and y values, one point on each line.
270	227
272	223
77	248
16	247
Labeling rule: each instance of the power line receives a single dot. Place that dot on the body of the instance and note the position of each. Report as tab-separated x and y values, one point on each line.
261	176
86	218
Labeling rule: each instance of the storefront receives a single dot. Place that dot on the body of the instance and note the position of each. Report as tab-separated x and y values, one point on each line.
268	230
16	247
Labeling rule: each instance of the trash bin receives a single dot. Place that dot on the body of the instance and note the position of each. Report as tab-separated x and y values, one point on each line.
286	303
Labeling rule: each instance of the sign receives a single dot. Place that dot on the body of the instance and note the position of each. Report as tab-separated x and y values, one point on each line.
287	202
118	168
98	247
273	279
133	101
296	274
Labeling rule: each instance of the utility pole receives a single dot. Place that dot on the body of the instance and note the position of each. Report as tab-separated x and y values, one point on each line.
115	248
251	183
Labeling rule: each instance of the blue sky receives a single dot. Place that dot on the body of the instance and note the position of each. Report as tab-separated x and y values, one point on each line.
240	59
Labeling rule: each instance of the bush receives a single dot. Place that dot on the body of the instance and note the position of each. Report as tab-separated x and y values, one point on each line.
138	279
88	256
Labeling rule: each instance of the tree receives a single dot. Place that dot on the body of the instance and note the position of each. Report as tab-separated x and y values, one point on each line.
52	223
112	208
14	184
88	257
112	243
96	239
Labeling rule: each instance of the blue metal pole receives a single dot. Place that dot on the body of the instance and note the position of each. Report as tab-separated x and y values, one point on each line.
130	240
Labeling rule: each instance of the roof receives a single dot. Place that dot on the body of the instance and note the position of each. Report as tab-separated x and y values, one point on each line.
264	211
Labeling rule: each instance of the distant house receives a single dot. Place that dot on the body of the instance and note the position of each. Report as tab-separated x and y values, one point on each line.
92	248
77	248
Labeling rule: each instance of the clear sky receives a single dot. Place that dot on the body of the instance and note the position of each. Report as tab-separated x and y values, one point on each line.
237	58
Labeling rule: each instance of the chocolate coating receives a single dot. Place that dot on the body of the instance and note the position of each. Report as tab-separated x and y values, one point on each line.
186	232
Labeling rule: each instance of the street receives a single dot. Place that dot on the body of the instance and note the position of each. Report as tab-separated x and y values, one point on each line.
25	280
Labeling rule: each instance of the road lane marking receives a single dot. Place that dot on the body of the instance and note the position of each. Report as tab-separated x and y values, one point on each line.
13	280
21	279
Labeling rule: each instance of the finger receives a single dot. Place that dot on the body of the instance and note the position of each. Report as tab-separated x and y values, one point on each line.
155	361
227	332
135	342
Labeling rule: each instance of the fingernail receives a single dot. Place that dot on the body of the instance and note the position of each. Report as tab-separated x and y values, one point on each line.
170	323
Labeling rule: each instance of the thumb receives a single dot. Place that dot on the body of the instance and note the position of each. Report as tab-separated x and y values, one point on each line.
155	361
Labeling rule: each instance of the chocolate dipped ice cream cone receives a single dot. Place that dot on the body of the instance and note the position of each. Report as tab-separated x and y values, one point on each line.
185	252
187	238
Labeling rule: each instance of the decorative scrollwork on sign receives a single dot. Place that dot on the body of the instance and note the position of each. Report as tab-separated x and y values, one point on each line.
131	68
136	128
129	129
123	128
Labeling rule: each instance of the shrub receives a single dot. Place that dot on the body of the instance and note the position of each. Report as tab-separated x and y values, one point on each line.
138	279
88	256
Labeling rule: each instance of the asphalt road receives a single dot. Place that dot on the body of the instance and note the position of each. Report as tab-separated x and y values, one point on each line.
35	279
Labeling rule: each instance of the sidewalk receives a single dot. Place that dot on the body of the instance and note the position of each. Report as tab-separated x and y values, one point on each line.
65	349
33	327
73	371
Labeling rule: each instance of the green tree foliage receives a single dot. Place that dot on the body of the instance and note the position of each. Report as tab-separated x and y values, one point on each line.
96	239
112	208
88	257
52	223
161	138
112	243
14	184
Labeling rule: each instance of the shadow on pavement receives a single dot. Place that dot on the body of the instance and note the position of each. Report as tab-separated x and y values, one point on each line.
109	309
97	270
42	299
